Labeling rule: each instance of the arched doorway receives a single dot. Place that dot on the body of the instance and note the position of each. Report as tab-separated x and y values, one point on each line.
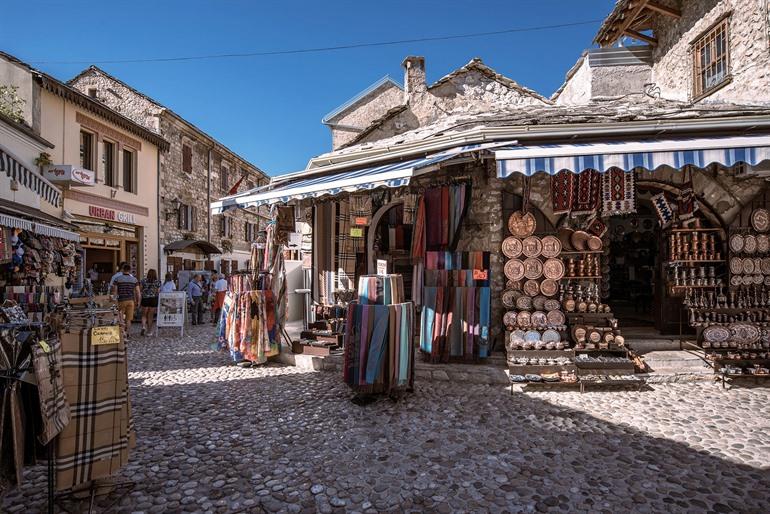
390	239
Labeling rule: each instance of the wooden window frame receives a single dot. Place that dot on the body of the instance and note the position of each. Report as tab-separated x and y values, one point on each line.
130	185
110	177
225	227
91	153
187	158
707	41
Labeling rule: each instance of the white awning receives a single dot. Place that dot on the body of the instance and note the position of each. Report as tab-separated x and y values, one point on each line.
627	155
29	179
385	175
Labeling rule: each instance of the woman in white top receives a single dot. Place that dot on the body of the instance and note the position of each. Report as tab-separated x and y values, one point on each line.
168	284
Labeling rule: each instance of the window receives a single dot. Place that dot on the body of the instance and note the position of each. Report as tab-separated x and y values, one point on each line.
186	159
711	59
87	150
129	171
225	226
250	232
92	92
187	218
108	164
224	179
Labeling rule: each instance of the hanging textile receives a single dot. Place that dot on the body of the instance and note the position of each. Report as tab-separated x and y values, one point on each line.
346	255
618	192
597	227
447	206
456	303
662	207
54	409
378	354
588	189
686	199
562	191
360	210
410	208
418	234
96	442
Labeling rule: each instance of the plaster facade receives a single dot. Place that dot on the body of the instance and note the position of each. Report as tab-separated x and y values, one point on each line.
195	186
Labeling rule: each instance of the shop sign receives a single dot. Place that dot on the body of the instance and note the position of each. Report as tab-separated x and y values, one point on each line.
95	242
382	267
361	220
69	174
171	309
480	274
105	335
356	232
110	215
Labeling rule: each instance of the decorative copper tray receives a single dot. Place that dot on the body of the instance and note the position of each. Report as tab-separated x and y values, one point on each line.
553	269
532	246
551	246
532	288
521	224
512	247
533	268
514	269
549	287
760	220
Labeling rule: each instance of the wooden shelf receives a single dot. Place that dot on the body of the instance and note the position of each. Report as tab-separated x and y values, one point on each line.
580	278
696	230
696	287
581	252
692	261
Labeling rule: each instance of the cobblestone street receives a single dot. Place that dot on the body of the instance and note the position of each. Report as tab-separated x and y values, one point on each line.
215	437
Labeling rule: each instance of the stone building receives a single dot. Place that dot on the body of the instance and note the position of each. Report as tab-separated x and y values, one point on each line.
196	169
697	51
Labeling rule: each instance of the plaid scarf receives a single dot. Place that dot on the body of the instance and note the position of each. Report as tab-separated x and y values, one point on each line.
346	255
54	409
95	443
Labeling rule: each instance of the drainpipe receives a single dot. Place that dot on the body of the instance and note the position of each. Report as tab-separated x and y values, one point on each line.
208	196
161	272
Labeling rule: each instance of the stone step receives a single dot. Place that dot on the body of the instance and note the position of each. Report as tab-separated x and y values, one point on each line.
645	345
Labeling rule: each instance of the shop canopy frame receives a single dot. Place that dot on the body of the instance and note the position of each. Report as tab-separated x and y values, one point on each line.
628	155
391	175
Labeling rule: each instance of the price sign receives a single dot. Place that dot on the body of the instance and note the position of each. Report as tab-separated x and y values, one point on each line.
480	274
382	267
356	232
105	335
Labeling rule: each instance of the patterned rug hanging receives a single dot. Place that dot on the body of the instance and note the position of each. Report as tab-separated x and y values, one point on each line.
597	227
618	192
686	199
662	207
587	192
562	191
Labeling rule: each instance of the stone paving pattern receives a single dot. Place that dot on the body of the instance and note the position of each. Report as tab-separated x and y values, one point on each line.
213	437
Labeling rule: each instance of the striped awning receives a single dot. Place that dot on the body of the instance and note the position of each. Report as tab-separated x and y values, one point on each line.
29	179
385	175
42	229
627	155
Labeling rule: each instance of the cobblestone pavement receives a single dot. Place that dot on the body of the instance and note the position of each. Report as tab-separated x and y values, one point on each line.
215	437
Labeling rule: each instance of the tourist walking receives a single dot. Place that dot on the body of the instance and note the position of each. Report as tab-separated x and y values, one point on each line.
150	287
220	289
126	288
168	284
195	290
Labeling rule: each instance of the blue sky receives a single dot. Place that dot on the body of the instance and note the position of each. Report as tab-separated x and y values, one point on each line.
269	108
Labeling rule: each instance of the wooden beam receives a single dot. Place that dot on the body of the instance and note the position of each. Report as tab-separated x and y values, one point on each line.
631	15
662	9
641	37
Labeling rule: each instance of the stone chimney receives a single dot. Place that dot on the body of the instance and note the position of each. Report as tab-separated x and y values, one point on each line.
414	76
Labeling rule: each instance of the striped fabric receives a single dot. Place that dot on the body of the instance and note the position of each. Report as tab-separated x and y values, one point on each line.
363	179
628	155
29	179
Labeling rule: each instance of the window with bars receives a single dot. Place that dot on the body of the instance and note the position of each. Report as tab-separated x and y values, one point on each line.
711	59
225	226
250	232
186	219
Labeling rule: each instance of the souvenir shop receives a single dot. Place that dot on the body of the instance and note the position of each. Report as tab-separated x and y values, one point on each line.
52	348
549	255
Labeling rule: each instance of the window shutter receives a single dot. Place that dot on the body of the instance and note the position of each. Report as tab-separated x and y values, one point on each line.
193	219
209	266
234	266
225	266
186	158
180	214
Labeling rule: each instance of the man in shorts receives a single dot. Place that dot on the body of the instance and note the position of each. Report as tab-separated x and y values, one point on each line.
126	287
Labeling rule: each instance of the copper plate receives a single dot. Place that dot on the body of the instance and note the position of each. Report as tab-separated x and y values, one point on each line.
551	336
524	319
765	266
524	303
736	265
758	279
533	268
760	220
512	247
508	299
594	336
736	280
549	287
532	246
539	319
748	266
509	318
532	288
747	280
551	246
579	240
552	304
514	269
763	243
538	302
521	224
553	269
579	333
582	306
594	243
744	333
565	238
736	243
569	305
512	284
556	318
749	244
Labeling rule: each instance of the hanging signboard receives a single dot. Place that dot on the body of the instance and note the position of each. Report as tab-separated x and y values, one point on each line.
172	309
382	267
105	335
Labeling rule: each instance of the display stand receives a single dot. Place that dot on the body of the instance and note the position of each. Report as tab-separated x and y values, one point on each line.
172	311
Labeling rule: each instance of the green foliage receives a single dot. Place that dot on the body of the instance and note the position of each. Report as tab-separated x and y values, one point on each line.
11	104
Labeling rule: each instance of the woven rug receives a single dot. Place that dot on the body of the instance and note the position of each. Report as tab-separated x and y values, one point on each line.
618	192
562	191
663	209
587	192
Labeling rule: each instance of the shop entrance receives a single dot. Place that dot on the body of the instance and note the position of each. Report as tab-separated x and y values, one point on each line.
104	262
390	239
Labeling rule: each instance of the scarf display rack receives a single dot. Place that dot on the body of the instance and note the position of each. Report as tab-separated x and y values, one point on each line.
379	356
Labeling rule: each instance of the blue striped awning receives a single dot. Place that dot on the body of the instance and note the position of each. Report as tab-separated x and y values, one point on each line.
627	155
29	179
385	175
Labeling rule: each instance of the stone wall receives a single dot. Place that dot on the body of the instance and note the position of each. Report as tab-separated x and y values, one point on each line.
352	121
749	52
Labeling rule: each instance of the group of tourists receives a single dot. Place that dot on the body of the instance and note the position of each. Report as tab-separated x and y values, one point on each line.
131	292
